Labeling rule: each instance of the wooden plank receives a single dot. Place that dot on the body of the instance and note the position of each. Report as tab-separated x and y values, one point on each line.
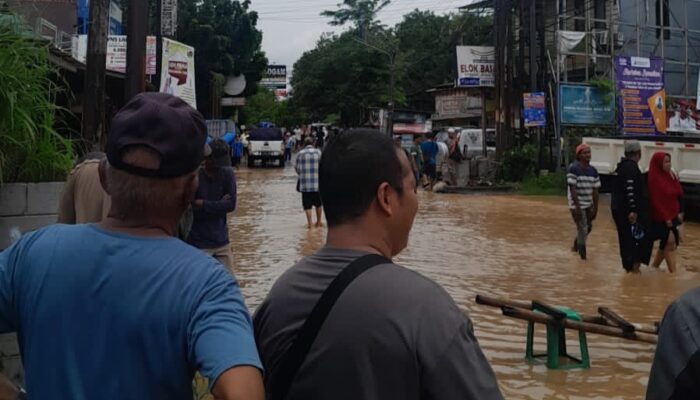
527	315
616	319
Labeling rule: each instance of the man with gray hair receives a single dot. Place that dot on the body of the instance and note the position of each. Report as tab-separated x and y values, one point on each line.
122	309
630	209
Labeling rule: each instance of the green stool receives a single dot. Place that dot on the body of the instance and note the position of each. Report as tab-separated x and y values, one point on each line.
556	340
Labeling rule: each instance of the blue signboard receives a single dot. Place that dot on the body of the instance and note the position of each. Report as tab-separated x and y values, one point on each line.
585	105
534	110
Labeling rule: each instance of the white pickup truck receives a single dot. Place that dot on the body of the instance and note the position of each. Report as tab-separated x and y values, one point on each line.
685	158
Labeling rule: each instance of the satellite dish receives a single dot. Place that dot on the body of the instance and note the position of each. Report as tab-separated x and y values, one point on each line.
235	85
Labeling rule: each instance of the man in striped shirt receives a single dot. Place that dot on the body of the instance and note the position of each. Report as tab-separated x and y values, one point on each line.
584	182
307	168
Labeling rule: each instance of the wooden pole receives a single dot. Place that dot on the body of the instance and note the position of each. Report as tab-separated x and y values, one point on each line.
526	315
96	62
136	48
527	305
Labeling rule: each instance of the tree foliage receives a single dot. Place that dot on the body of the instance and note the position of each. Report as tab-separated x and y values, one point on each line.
262	106
226	39
361	13
345	74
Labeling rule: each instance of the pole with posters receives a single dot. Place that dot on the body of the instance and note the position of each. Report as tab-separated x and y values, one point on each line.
96	62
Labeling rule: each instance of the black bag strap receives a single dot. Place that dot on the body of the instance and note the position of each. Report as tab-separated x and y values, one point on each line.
294	357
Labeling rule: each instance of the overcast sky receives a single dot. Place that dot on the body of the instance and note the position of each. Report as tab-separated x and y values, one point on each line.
291	27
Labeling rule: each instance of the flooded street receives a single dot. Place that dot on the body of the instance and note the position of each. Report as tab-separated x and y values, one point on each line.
504	246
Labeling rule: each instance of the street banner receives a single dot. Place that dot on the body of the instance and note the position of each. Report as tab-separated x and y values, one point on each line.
475	66
177	73
168	17
641	97
585	105
534	110
683	117
275	77
116	52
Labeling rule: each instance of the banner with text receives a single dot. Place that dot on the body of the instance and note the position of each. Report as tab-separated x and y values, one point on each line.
641	97
475	66
275	77
116	52
177	72
683	116
585	105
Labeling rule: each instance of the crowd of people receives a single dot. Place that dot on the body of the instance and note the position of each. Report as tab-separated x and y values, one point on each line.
122	304
645	209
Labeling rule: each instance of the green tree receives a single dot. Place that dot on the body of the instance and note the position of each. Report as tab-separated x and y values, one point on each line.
227	41
361	13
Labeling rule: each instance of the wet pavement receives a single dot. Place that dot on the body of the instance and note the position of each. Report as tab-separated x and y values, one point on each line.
500	245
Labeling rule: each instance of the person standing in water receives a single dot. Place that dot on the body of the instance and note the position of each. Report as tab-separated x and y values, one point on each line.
666	198
584	182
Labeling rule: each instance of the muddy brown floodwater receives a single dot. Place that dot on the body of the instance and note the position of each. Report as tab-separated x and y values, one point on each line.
509	246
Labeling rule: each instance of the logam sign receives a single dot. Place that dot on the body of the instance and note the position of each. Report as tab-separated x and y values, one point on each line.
177	72
475	66
534	110
275	77
641	97
585	105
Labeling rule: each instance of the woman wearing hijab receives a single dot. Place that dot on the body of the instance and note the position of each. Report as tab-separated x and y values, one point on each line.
666	200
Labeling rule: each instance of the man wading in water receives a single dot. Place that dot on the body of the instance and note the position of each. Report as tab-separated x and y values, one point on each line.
583	181
393	334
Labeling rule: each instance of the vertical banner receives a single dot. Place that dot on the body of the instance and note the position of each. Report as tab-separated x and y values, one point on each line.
534	109
641	96
168	17
177	71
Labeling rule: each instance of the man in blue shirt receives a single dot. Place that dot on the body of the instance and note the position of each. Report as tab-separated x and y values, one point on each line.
122	309
214	199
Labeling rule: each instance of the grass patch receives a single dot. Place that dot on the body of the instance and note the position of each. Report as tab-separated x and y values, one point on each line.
553	184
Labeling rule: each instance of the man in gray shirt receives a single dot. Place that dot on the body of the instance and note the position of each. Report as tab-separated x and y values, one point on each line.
392	334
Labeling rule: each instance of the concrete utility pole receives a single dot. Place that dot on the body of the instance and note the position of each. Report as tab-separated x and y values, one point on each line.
137	25
96	62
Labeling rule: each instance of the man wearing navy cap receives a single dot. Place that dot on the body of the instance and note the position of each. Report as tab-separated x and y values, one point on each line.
122	309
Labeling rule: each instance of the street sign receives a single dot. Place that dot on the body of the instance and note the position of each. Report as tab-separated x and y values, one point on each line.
585	105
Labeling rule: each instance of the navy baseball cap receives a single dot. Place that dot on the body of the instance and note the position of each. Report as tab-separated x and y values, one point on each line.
165	124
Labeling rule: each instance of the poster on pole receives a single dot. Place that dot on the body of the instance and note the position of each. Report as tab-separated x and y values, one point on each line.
641	96
168	17
116	52
534	111
475	66
177	72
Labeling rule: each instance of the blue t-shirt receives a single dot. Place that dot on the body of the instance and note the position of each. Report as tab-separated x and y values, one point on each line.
104	315
430	151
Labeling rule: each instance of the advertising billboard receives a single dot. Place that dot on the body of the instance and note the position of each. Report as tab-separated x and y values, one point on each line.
534	110
475	66
585	105
641	98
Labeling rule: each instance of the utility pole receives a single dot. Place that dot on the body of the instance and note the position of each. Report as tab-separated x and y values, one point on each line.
96	63
136	48
392	82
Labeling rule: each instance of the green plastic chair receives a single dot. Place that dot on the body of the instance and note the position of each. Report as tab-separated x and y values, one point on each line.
556	343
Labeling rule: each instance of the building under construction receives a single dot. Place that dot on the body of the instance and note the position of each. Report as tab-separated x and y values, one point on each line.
543	44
